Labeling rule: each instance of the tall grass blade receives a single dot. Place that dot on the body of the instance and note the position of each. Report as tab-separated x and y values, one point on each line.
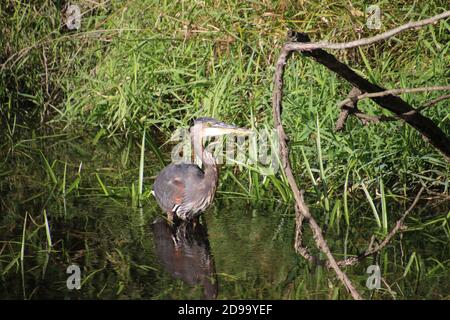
409	264
308	167
105	190
321	168
63	185
346	214
50	171
22	247
47	232
372	205
141	167
22	255
383	207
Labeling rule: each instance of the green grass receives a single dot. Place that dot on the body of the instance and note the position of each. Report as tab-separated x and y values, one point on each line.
159	64
138	70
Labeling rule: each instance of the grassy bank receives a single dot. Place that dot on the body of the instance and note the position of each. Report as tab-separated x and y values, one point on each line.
74	105
159	64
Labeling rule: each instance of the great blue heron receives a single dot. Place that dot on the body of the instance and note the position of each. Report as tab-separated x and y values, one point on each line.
185	189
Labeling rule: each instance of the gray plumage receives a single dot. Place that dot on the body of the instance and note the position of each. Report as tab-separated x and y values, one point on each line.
185	189
182	189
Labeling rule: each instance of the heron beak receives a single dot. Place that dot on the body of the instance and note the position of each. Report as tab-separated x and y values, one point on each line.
224	129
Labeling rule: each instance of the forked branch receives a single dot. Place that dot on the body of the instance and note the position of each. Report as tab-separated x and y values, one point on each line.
392	103
301	207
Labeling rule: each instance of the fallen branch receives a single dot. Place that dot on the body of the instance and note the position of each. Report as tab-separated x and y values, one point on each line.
301	208
394	104
434	101
426	127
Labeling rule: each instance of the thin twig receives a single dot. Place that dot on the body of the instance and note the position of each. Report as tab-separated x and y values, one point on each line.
349	105
434	101
372	249
365	118
394	92
399	224
295	46
348	108
388	287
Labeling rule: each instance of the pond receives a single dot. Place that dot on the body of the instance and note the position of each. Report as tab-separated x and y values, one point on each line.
68	201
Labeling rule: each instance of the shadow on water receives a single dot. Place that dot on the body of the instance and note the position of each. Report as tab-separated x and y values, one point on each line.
184	251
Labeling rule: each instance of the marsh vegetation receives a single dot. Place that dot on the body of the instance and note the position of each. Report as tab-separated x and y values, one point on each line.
75	104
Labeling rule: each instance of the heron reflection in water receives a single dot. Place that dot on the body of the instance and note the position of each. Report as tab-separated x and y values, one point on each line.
184	252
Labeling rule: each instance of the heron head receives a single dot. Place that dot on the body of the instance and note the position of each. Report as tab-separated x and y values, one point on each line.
208	127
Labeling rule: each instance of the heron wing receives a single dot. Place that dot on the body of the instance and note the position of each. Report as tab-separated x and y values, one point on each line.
193	190
176	187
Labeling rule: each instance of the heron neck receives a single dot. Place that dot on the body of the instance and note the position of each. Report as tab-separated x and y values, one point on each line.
205	156
207	159
210	170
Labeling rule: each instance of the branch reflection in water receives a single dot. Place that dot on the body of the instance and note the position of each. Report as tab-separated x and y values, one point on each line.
184	252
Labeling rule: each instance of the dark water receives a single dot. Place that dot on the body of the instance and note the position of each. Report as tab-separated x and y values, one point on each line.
239	250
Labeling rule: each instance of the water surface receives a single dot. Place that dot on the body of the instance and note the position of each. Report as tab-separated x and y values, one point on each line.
242	249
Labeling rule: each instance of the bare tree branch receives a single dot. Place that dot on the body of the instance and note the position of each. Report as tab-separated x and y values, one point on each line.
393	92
394	104
301	207
299	248
425	126
433	102
295	46
349	105
348	108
